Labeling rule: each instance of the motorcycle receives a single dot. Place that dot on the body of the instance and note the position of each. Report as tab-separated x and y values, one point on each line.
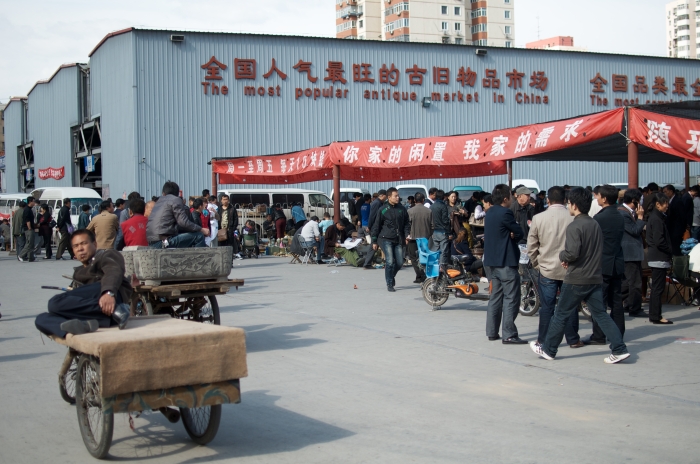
455	280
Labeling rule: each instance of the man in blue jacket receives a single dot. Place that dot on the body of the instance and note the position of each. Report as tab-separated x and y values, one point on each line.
501	256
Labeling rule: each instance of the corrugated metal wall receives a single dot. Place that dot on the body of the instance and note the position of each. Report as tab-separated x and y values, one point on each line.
52	109
112	91
14	126
184	128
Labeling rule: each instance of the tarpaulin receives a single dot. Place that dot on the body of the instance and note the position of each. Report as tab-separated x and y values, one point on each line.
675	136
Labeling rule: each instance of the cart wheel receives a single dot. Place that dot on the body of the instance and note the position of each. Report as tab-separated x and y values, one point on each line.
529	299
143	306
206	309
66	382
95	425
435	291
201	424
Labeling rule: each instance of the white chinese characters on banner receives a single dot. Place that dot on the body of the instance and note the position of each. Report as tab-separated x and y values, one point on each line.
543	136
659	133
570	131
416	152
694	142
230	168
470	149
438	150
250	166
395	155
350	155
283	166
260	165
499	145
523	140
269	165
375	155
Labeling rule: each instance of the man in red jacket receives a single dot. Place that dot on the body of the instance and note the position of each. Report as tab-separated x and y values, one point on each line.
134	228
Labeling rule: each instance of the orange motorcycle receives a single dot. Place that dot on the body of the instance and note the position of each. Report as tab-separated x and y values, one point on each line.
453	280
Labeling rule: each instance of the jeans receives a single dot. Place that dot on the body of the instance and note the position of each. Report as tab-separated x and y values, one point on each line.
658	284
320	246
612	298
440	244
415	262
548	300
186	240
28	248
504	302
695	233
393	254
632	287
570	298
20	240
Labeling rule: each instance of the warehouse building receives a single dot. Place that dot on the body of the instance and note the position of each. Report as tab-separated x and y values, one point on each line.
155	105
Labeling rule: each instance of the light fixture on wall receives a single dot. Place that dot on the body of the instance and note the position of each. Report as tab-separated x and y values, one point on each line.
426	102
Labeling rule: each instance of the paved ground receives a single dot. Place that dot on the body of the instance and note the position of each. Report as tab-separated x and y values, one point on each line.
345	375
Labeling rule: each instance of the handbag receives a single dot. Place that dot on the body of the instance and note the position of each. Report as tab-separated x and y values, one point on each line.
475	222
222	235
70	229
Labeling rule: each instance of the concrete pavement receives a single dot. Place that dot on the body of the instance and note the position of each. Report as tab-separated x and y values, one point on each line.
344	375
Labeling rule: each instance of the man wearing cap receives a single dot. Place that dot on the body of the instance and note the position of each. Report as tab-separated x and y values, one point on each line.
523	210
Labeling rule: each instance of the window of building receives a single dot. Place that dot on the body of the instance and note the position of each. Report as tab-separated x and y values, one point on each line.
458	11
396	9
445	40
509	44
400	38
478	28
458	26
361	23
345	26
459	41
507	13
506	1
508	28
482	42
479	12
399	23
443	9
444	26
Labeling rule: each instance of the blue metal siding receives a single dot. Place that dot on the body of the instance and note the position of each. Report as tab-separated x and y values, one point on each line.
52	109
180	128
112	91
13	139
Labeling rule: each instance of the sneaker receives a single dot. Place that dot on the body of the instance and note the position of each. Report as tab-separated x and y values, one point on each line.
237	256
390	288
484	280
20	259
616	358
537	348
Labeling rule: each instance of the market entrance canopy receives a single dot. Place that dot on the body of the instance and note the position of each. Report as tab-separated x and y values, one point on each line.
474	155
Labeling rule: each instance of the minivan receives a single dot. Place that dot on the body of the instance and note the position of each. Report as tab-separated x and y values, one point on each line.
409	190
79	196
346	195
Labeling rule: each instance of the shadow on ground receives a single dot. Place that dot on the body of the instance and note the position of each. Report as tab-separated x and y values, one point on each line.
267	338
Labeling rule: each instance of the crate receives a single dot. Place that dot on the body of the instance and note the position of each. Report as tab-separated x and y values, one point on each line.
178	264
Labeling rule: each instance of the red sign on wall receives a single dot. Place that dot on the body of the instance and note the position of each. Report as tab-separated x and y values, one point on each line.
52	173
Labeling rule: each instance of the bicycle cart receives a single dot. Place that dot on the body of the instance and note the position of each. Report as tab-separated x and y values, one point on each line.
142	368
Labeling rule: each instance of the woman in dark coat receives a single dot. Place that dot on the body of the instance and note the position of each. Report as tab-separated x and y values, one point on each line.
659	256
45	229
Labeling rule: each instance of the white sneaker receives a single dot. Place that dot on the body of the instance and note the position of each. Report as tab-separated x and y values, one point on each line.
616	358
484	280
537	348
238	256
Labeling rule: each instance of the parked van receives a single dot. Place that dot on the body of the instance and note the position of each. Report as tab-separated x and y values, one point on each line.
254	204
54	196
346	195
465	192
409	190
9	202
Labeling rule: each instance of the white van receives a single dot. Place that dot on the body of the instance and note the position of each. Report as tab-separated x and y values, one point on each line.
409	190
9	202
255	203
346	195
79	196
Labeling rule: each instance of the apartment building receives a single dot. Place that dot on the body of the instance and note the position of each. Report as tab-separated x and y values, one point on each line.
683	28
466	22
556	43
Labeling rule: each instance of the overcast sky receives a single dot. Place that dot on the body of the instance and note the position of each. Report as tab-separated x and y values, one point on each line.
36	36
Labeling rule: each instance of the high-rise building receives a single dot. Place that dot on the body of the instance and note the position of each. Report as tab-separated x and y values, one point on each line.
682	28
467	22
559	42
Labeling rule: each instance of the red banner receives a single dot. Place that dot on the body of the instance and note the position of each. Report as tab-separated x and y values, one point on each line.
474	155
292	168
52	173
5	216
672	135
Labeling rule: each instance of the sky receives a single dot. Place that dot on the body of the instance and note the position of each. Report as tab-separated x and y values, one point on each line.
37	36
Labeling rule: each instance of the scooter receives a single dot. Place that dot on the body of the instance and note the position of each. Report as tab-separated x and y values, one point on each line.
453	280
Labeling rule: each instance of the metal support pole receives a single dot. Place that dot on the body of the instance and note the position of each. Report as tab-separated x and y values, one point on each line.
687	174
214	181
632	165
336	192
509	163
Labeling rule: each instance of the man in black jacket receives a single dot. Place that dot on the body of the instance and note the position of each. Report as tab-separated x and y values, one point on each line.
170	224
389	231
581	257
441	226
633	251
375	206
676	219
97	301
501	256
63	222
612	225
28	225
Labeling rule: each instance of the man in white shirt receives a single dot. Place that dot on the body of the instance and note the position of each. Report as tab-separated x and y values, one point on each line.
312	235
